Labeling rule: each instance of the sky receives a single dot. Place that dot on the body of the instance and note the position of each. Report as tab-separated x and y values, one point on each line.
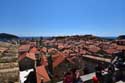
62	17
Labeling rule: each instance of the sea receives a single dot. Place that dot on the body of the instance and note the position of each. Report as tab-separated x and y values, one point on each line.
108	38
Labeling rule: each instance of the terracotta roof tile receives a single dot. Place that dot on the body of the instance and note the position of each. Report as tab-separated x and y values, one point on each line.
110	50
24	48
58	58
119	47
44	60
82	52
60	46
31	56
42	74
33	50
93	48
52	50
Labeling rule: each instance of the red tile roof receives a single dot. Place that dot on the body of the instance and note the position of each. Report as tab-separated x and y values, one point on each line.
93	48
82	52
33	50
110	50
24	48
44	60
119	47
51	50
41	73
31	56
58	58
60	46
28	55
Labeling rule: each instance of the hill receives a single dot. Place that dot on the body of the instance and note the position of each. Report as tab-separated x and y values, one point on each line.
7	36
83	37
121	37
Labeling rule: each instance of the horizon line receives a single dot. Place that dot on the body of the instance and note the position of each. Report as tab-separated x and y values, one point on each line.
61	35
